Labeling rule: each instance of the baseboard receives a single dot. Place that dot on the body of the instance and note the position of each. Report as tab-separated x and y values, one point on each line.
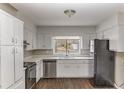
116	86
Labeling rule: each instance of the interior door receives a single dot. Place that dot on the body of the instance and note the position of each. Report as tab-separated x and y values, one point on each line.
18	62
7	66
6	29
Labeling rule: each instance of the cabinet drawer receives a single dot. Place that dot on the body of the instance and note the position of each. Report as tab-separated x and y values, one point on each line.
86	61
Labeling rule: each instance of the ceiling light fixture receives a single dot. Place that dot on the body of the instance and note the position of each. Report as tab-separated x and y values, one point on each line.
69	12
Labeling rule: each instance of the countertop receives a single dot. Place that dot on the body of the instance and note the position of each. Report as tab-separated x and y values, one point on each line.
37	58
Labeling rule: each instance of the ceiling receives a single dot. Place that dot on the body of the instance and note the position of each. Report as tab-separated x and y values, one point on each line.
53	14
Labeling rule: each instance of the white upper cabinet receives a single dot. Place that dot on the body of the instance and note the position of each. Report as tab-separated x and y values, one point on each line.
34	45
86	41
11	30
44	41
92	36
6	29
40	40
112	29
30	37
18	31
112	36
48	42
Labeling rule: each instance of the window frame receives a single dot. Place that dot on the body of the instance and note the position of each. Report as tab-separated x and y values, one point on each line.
66	38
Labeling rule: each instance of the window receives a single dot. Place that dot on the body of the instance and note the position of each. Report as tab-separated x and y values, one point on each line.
66	45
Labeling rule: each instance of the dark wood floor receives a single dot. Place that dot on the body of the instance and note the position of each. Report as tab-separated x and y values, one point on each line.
64	84
67	83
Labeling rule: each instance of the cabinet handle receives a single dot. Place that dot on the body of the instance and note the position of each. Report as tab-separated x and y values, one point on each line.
12	40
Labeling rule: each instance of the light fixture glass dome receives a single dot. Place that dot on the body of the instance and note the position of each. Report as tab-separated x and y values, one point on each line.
69	12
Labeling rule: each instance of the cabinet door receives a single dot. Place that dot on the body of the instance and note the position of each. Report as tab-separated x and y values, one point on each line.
119	70
75	68
6	30
18	62
112	35
7	66
44	41
29	40
38	71
48	44
41	68
92	36
63	70
18	32
86	41
100	35
120	41
85	70
34	46
40	41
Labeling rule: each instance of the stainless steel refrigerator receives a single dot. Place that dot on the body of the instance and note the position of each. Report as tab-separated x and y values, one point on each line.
104	62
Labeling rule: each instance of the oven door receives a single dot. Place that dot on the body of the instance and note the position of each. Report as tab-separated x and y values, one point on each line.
30	77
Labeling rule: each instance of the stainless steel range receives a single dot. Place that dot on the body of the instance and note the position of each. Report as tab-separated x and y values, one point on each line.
30	75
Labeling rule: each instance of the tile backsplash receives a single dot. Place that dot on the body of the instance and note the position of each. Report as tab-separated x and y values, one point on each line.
50	52
28	53
43	52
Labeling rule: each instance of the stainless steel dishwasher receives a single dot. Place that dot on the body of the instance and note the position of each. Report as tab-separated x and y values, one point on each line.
49	68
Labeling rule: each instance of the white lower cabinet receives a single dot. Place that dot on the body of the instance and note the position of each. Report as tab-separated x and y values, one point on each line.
38	71
11	70
18	62
20	84
41	68
6	66
75	68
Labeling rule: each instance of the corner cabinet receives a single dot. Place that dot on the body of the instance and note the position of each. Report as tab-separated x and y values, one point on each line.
11	50
75	68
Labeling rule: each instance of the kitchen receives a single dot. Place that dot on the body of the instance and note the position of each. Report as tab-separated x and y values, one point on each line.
78	46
